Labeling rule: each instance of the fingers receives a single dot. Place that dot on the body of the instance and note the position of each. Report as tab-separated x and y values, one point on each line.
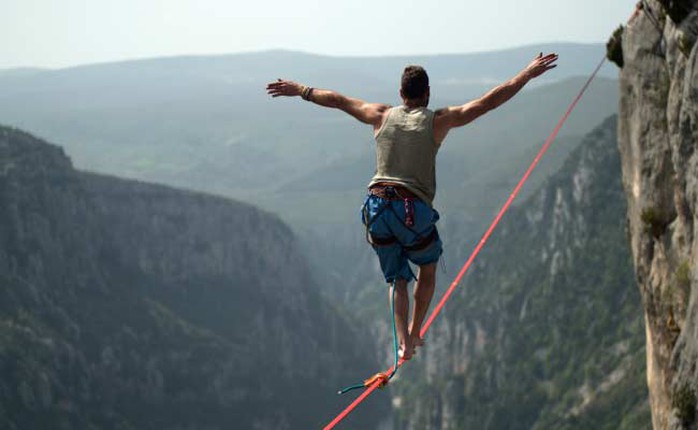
547	62
276	85
548	58
541	64
279	88
274	91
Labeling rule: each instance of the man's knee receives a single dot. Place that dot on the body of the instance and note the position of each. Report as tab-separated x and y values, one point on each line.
427	273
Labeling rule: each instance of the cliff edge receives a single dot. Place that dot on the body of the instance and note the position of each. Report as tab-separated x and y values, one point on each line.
657	140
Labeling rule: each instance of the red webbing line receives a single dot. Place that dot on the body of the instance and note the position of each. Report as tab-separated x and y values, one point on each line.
479	246
509	201
353	404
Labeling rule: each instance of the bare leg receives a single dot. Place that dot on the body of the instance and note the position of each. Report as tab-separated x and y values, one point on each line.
402	308
423	292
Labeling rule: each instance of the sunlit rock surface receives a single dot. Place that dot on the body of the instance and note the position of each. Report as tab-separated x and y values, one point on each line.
657	137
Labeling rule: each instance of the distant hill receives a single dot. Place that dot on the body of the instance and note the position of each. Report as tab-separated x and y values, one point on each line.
20	72
449	69
206	123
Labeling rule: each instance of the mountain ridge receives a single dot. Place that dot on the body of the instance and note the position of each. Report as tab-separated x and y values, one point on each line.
528	49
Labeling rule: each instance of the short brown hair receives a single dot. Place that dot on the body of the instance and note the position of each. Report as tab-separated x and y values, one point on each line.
414	82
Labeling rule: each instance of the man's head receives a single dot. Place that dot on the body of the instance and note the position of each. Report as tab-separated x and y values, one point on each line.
414	86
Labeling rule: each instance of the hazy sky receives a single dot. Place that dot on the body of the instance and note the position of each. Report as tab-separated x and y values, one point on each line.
53	33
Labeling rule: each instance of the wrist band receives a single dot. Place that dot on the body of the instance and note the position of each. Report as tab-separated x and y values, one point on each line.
305	94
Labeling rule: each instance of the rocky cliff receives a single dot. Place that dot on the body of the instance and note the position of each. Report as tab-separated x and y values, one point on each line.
657	138
128	305
547	330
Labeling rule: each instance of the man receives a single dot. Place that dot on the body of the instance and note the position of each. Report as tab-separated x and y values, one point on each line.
398	213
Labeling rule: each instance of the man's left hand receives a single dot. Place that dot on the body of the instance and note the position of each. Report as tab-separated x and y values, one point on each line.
540	65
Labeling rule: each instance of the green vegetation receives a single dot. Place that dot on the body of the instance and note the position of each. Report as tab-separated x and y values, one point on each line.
614	47
135	306
684	401
683	275
686	43
654	222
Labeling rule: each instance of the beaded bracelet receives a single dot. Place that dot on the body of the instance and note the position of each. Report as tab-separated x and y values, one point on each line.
305	94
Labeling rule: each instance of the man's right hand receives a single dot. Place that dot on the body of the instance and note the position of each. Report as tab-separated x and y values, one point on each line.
284	88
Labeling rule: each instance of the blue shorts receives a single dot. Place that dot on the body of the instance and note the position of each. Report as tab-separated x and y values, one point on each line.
388	220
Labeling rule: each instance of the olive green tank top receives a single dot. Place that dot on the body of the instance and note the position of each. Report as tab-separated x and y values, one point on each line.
406	151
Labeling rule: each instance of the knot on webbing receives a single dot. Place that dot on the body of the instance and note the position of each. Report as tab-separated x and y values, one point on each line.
382	377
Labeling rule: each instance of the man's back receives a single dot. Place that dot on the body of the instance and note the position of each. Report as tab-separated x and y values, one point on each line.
406	151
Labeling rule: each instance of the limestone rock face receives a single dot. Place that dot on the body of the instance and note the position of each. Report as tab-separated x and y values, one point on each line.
657	140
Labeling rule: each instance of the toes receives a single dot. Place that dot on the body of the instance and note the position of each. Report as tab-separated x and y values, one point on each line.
417	341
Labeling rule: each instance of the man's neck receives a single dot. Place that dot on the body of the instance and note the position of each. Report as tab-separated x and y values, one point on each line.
413	105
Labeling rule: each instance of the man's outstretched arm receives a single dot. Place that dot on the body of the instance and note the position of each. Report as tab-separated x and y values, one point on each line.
458	116
368	113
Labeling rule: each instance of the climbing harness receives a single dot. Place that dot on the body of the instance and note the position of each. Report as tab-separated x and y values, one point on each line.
379	381
409	213
390	193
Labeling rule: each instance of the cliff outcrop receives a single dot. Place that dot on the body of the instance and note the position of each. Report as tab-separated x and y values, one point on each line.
658	135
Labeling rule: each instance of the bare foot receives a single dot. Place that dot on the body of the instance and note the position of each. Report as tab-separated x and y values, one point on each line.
416	341
406	350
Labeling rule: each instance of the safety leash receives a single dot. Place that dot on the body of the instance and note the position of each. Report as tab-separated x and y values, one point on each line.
378	382
382	378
